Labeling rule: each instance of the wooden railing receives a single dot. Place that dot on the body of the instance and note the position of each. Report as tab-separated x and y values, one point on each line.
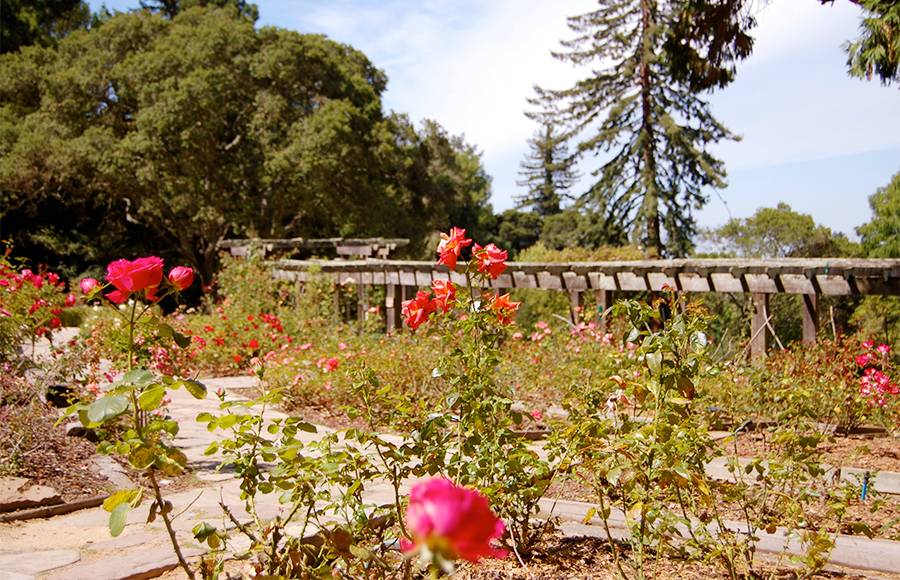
809	278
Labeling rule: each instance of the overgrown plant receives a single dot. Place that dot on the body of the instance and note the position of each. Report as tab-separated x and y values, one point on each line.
640	442
325	526
133	405
31	306
472	438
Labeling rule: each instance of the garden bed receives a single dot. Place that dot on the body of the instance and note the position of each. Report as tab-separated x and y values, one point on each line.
572	558
33	446
873	453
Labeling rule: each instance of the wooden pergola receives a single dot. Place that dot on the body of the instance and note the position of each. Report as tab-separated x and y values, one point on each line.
344	247
809	278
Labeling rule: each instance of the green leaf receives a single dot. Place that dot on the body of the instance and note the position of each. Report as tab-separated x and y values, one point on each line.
361	553
138	378
129	496
205	417
107	408
172	462
117	519
202	531
195	388
151	398
166	331
654	361
612	476
226	421
142	457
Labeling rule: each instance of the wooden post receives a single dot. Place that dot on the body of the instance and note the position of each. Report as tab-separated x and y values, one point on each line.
810	308
576	301
392	302
336	288
362	302
758	330
604	300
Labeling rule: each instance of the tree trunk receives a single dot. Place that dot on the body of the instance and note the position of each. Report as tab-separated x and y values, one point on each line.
650	206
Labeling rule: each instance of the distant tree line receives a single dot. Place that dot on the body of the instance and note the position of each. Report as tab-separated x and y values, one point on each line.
172	126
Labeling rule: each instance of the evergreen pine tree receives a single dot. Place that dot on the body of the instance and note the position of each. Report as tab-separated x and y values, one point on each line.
653	130
547	172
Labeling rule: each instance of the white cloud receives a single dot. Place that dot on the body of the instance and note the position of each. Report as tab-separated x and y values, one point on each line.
471	65
793	100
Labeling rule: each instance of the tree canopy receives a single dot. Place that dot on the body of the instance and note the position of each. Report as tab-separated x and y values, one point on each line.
41	22
881	235
779	232
199	126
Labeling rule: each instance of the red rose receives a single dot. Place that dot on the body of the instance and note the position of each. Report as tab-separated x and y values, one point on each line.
142	274
503	308
181	277
70	300
444	294
451	245
416	311
491	260
452	520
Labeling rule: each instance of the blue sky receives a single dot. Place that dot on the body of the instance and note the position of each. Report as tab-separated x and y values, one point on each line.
812	136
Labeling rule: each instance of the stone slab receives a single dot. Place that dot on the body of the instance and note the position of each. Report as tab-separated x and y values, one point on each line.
135	565
16	493
37	562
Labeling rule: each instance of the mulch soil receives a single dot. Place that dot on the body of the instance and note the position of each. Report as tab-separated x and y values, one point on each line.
34	447
875	453
586	558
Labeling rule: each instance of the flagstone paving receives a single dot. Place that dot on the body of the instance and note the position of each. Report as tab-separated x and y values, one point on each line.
78	545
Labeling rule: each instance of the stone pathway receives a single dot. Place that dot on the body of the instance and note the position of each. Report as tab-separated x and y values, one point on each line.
78	545
80	541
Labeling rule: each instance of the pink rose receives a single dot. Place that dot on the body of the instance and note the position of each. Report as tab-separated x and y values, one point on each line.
181	277
868	344
142	274
452	520
88	285
883	349
863	359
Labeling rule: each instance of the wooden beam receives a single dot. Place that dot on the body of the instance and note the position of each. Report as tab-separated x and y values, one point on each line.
809	304
758	332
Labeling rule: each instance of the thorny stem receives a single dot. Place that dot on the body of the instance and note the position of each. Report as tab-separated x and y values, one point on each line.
168	522
138	423
612	542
